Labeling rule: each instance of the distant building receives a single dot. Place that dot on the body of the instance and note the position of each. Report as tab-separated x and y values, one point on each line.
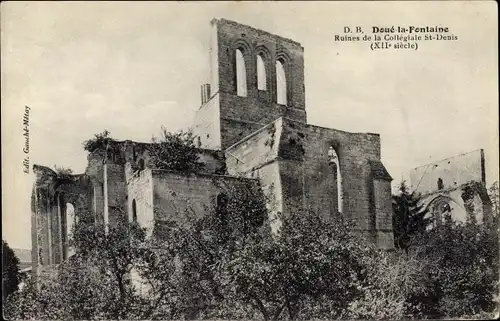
454	186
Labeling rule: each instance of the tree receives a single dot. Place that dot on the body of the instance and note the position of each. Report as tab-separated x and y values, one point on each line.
464	269
193	287
94	283
110	256
100	143
62	171
175	151
311	264
10	271
409	217
104	145
40	299
393	288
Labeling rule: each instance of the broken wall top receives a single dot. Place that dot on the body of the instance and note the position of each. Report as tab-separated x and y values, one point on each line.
449	173
133	152
289	139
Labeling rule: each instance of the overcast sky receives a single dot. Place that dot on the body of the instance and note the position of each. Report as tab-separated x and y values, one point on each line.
133	67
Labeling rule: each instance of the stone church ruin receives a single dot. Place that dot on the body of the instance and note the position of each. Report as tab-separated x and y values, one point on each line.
252	129
456	187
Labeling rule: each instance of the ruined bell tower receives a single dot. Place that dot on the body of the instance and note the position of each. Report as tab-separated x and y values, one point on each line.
256	77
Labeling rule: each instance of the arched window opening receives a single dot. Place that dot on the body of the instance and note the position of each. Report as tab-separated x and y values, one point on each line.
441	209
261	74
333	160
134	211
241	74
71	221
281	83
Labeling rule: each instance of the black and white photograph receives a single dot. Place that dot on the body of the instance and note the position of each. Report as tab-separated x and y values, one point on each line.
250	160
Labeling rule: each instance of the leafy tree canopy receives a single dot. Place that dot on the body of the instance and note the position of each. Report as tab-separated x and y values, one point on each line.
169	151
10	270
100	142
464	267
175	151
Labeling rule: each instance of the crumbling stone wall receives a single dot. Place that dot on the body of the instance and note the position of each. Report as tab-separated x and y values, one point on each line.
294	157
241	116
117	192
162	196
460	181
365	192
50	195
257	157
140	198
86	193
259	139
177	194
130	159
453	172
207	125
133	152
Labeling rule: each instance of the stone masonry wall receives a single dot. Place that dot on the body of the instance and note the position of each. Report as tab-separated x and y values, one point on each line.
240	116
178	196
207	125
251	41
140	191
459	181
383	209
310	144
255	150
117	192
117	176
49	197
257	157
305	178
453	171
116	186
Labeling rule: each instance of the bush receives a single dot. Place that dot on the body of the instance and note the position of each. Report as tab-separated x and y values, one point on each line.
393	283
313	262
10	270
464	271
175	151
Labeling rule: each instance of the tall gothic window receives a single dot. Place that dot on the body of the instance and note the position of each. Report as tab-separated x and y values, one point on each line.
71	220
333	160
241	74
281	83
261	74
